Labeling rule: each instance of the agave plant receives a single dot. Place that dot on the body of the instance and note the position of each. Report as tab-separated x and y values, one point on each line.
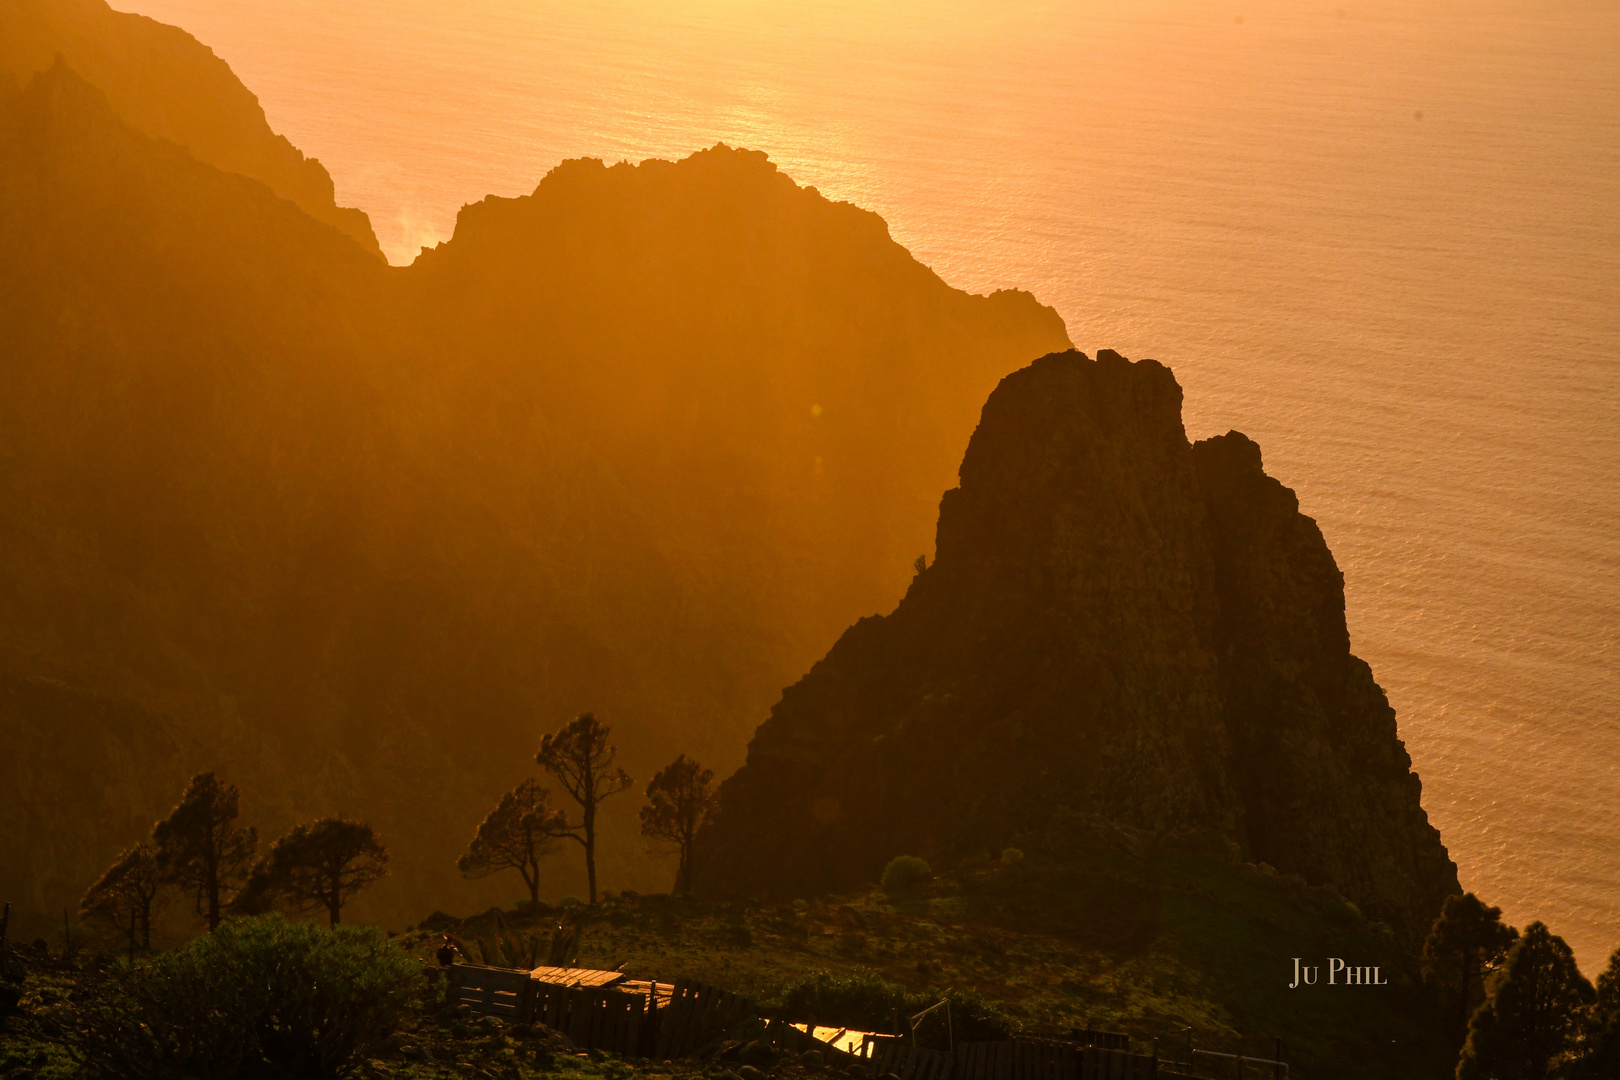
510	950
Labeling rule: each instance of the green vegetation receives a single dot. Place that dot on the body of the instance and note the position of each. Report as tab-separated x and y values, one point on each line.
905	872
259	997
1601	1056
865	1001
1531	1022
1467	945
1149	942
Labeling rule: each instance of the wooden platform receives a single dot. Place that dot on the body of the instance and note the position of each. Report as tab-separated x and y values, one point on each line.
566	976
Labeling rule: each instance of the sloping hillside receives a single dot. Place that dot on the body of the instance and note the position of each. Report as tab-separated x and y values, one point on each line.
164	83
599	451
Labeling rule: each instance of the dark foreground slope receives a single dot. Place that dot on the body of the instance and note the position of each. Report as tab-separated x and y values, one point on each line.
1117	623
164	83
642	442
1177	953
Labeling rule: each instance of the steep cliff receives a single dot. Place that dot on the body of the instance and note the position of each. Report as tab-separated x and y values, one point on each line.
165	83
1116	623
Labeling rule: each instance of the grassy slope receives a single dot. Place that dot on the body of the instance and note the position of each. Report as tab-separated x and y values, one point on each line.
1150	944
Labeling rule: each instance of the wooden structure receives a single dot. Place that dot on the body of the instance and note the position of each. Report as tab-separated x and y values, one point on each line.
1010	1059
504	992
696	1016
598	1017
572	976
1097	1063
789	1037
602	1010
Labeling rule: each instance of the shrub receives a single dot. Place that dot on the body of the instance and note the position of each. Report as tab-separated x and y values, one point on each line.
259	997
905	871
862	1000
1011	857
865	1001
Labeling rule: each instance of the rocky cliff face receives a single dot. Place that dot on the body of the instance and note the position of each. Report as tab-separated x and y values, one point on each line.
1117	623
163	82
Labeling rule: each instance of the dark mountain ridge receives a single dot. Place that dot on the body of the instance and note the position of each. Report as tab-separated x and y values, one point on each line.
1117	624
365	532
163	82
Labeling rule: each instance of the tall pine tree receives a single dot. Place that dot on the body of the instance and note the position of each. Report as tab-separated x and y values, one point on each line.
521	830
1532	1018
200	847
1600	1056
1467	944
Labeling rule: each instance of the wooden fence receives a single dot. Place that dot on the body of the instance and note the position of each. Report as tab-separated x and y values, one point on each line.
503	992
1100	1064
696	1016
784	1036
655	1020
1011	1059
594	1017
598	1018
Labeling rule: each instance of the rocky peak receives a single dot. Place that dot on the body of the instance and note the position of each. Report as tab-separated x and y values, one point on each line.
1117	623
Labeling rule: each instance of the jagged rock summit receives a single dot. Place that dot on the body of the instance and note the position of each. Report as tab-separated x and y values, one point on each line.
1117	623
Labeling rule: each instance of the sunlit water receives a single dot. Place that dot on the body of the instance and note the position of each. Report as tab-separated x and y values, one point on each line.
1384	241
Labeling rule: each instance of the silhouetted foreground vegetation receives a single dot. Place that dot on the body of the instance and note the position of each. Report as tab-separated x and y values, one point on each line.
1024	947
259	997
866	1001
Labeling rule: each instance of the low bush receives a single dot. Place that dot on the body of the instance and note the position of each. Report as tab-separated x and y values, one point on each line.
865	1001
905	872
258	998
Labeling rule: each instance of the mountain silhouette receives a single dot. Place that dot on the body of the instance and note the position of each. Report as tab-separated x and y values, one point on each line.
1118	624
164	83
641	442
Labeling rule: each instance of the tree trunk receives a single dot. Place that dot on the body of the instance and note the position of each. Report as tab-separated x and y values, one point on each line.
590	862
1462	1004
211	882
532	880
684	877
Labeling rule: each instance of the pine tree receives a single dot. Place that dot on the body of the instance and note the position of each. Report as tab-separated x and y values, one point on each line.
126	895
681	799
317	866
580	757
1468	942
1600	1054
1533	1014
200	848
516	835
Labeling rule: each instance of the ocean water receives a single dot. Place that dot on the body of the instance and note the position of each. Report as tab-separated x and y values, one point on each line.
1382	239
